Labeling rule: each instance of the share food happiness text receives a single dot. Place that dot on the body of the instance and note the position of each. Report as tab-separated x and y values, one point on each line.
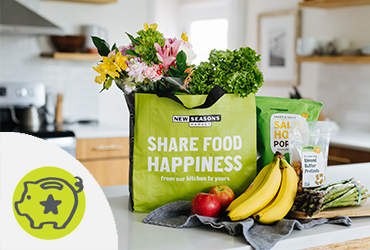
227	162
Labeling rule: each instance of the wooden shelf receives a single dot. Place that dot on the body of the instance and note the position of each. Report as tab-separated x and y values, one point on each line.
327	4
73	56
334	59
87	1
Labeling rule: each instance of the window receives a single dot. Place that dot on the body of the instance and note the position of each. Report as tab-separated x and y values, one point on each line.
210	24
206	35
207	24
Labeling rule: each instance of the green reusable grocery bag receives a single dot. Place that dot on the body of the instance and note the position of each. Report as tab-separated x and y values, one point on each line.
179	151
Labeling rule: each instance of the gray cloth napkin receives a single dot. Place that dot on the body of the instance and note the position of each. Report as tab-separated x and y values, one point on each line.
178	215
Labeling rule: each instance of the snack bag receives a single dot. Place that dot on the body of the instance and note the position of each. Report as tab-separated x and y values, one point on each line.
275	118
308	149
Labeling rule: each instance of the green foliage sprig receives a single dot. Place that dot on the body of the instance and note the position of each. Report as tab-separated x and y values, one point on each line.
235	71
144	45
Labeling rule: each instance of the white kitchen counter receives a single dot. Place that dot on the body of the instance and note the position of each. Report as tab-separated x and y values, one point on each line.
352	139
98	130
347	138
134	234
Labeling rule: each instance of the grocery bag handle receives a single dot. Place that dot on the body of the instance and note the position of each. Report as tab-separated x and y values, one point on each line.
213	96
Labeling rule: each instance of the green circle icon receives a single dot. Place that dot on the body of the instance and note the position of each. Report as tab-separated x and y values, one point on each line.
49	202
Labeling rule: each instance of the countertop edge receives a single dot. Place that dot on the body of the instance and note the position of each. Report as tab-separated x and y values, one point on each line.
350	146
98	130
346	138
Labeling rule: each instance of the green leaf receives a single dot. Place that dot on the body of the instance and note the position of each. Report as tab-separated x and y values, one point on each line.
181	56
133	40
181	60
108	83
114	47
101	45
131	52
174	72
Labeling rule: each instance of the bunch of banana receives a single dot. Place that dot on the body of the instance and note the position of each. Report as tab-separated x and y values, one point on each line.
259	194
283	200
270	196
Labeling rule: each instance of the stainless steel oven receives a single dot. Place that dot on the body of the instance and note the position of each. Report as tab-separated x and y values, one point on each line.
16	115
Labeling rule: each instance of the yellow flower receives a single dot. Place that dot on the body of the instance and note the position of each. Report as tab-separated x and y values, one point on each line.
110	67
120	60
152	26
100	79
98	69
184	37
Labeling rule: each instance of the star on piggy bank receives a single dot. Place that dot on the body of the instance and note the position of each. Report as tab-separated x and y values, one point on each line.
49	201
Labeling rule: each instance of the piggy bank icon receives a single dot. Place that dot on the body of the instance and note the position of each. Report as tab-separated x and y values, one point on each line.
49	200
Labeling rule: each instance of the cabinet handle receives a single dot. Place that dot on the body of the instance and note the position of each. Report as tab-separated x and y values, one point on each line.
339	159
108	147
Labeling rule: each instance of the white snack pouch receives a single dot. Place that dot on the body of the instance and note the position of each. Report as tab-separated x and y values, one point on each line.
308	149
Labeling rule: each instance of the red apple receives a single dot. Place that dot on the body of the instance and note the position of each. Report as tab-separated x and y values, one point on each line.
224	193
206	205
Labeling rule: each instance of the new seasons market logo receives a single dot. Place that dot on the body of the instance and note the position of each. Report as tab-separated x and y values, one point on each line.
196	120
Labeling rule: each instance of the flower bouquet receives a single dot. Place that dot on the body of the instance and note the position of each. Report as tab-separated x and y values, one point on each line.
152	63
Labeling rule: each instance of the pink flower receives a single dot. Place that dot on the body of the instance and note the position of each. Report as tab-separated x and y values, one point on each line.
167	54
152	73
122	49
136	68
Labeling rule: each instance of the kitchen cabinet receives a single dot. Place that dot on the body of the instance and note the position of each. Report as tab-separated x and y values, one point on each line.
107	159
329	4
341	155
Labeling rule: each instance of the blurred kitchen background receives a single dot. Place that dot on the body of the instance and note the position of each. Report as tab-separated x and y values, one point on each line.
343	88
